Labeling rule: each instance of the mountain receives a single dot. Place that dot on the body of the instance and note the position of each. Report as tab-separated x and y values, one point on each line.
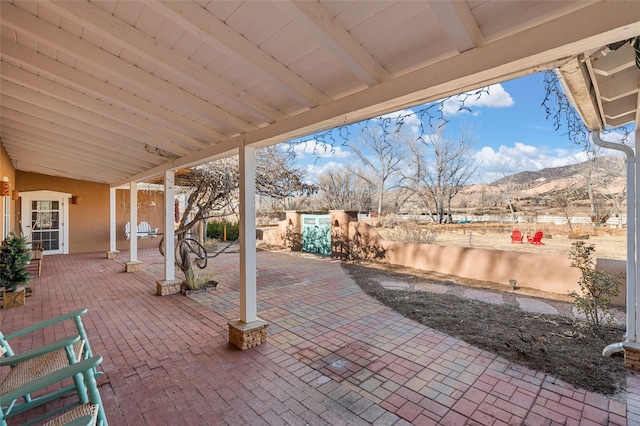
543	187
602	166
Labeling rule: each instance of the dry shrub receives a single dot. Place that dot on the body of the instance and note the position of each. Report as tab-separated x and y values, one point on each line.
389	221
578	235
410	232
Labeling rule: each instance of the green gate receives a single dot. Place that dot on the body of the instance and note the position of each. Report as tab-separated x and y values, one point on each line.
316	234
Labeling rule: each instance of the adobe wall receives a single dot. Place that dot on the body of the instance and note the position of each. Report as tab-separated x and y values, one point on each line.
89	220
150	209
6	169
340	220
544	272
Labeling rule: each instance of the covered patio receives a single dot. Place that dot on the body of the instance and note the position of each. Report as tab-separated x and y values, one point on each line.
117	93
334	357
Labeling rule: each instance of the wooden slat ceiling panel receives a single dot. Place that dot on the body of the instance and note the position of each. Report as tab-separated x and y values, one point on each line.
194	79
405	26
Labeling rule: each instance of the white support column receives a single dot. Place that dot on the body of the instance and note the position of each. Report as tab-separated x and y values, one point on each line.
636	222
169	234
113	251
133	219
170	285
248	295
249	330
632	306
632	346
133	264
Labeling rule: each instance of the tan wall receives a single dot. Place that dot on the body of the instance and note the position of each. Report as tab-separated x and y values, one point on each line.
6	169
147	212
340	220
287	234
544	272
89	220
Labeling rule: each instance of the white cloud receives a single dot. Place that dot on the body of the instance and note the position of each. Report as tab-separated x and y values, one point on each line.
314	170
494	97
507	160
314	149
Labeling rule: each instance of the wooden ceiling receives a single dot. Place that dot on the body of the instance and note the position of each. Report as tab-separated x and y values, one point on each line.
116	91
603	84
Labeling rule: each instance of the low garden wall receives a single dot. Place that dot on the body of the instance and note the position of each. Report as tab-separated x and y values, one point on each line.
549	273
543	272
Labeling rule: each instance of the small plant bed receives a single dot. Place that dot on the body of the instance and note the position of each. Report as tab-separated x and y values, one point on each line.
560	346
202	287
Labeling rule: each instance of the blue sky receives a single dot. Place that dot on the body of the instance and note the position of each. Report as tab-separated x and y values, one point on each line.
510	128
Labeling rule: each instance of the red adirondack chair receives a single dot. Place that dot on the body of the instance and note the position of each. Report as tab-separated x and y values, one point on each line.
536	239
516	237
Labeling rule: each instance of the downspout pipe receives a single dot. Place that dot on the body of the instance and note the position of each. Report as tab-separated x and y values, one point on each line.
631	246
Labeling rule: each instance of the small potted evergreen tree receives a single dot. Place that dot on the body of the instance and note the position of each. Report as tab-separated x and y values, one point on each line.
14	257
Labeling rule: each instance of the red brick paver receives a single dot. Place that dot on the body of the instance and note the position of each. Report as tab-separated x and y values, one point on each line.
334	356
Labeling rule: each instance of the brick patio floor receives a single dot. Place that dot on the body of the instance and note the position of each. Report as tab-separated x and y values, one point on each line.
334	356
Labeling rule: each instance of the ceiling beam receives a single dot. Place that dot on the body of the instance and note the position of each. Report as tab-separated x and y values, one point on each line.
458	22
197	20
315	19
30	113
140	157
592	26
24	78
619	86
621	107
48	154
26	166
100	89
615	61
90	118
577	79
57	166
16	128
119	32
19	20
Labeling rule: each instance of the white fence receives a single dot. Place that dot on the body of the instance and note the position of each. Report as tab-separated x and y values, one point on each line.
508	218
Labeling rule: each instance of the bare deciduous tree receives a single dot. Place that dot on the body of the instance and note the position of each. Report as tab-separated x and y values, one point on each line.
382	154
440	167
566	206
213	186
278	177
615	171
344	188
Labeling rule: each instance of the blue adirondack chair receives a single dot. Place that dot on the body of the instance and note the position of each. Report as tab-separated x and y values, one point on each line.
39	361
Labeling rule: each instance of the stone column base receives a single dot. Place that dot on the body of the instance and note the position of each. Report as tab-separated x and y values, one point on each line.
133	266
167	287
247	335
112	254
632	356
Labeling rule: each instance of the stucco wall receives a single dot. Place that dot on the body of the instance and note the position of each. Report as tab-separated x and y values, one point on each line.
340	220
150	209
6	169
89	220
544	272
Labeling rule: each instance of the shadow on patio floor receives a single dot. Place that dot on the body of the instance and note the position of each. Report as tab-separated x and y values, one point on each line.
334	356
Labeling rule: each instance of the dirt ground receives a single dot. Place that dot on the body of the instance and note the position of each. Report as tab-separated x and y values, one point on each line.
610	243
557	345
